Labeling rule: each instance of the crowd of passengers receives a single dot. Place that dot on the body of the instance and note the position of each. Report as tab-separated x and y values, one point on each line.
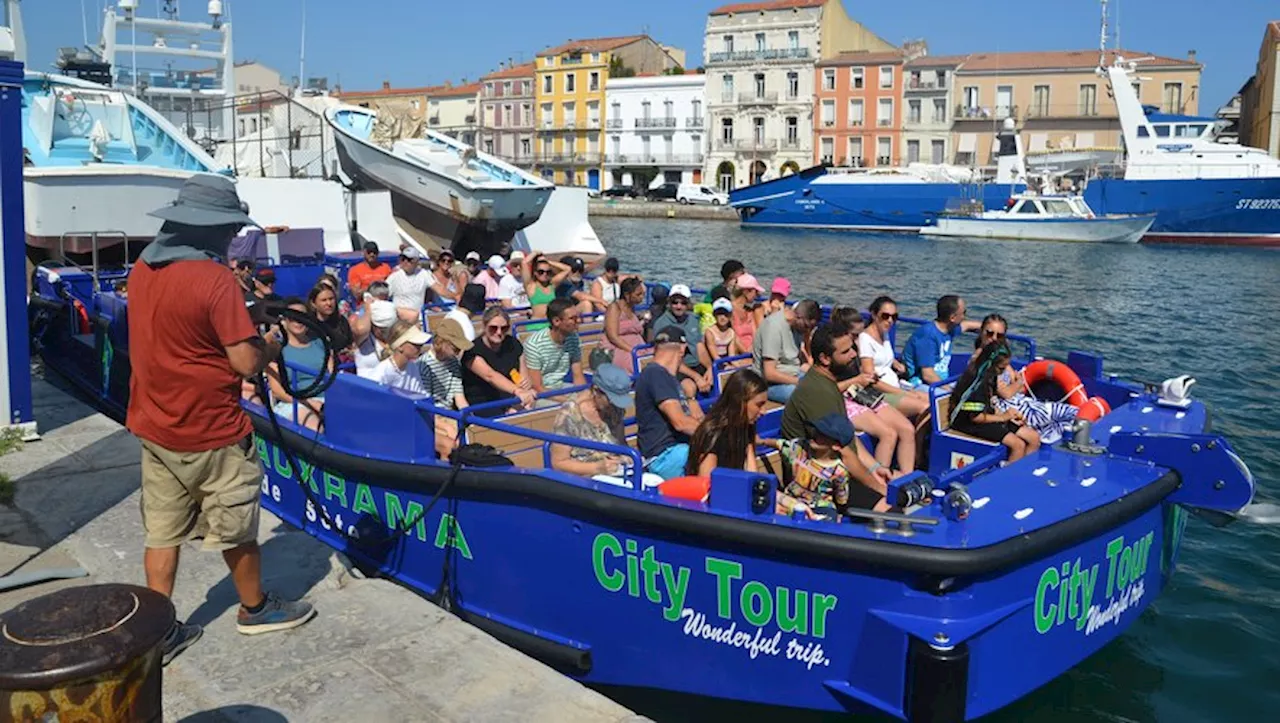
834	379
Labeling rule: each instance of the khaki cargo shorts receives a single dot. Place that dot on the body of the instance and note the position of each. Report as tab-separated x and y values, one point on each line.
213	494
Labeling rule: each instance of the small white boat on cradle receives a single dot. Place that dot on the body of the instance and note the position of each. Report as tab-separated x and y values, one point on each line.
1035	217
445	188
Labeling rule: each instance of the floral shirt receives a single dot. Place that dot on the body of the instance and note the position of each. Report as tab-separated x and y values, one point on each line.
571	423
817	483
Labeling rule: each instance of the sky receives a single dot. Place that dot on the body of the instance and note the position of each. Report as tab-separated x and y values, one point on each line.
426	42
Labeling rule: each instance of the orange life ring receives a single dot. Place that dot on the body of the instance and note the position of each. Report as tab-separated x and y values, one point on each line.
1093	409
693	488
1060	374
82	315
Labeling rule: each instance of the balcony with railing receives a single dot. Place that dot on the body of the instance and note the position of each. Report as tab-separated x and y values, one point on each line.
772	55
747	145
593	124
1044	111
693	122
794	143
985	113
615	123
758	98
566	159
884	122
653	159
643	124
883	160
927	84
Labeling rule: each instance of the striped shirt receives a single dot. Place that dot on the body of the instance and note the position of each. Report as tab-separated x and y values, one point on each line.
442	378
543	354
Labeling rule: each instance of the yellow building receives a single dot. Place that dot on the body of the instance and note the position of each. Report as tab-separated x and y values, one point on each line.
1057	99
569	101
1260	97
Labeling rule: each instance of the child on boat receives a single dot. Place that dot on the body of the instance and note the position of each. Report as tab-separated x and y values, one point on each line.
973	405
816	481
721	340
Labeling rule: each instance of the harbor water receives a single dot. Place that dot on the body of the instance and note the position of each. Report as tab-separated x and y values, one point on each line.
1209	648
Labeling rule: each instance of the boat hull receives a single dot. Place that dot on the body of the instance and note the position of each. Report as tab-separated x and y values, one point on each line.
1218	211
456	216
606	596
1122	230
112	200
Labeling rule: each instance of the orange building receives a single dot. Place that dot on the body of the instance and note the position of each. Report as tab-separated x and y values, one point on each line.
857	112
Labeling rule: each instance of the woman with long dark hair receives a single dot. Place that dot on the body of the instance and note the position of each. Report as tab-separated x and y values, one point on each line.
973	408
623	329
322	302
1051	419
727	435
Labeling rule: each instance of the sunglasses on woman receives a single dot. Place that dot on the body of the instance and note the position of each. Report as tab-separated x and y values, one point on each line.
993	334
542	272
886	316
496	328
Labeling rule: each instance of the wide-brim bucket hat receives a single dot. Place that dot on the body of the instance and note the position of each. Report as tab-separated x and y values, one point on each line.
207	200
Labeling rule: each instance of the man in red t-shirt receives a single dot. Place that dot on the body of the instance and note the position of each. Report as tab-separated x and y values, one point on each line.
191	341
366	272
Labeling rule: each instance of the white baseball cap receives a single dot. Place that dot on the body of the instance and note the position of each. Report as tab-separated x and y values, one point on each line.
382	313
722	304
680	290
473	256
411	253
498	265
517	255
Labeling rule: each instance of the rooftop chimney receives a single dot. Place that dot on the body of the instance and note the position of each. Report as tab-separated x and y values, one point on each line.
1191	55
386	85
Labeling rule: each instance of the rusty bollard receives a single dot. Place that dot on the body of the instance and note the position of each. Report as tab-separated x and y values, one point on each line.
84	654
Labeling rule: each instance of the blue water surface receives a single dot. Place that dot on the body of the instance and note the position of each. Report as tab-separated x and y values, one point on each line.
1209	648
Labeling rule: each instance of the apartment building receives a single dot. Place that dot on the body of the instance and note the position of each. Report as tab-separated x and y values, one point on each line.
928	100
410	102
655	132
569	93
1057	100
506	114
1260	96
760	60
859	109
455	111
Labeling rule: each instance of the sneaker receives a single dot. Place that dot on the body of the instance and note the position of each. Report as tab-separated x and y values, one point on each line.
180	637
276	614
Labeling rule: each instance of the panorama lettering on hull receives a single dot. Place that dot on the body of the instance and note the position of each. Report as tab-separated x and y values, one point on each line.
1067	593
355	501
780	621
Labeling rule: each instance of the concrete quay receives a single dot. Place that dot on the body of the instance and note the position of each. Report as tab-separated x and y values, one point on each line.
627	208
375	652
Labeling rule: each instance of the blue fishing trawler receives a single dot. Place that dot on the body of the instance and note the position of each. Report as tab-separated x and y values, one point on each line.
988	582
1200	188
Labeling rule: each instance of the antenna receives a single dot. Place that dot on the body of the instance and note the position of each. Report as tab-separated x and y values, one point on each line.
84	25
302	50
1118	45
1102	41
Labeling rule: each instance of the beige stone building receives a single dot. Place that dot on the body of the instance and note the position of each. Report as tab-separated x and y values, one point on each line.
1056	99
455	110
1260	97
399	101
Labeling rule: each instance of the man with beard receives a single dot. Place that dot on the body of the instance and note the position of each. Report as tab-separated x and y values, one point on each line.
817	395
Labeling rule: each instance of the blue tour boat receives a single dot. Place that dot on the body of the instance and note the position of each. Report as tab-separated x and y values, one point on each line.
928	615
1201	189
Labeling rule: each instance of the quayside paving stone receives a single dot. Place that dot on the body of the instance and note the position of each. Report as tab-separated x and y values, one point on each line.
376	651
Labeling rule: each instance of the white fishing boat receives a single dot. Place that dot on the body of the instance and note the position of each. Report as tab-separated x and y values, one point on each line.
1037	217
464	199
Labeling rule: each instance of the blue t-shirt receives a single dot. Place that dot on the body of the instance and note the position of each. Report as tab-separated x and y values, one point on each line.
929	347
310	356
567	288
655	386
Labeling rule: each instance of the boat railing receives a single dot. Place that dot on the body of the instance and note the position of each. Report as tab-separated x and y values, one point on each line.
271	126
94	248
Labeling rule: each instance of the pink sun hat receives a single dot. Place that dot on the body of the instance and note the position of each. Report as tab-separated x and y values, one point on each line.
747	281
781	286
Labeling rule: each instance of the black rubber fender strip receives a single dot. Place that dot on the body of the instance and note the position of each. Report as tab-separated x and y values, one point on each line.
720	531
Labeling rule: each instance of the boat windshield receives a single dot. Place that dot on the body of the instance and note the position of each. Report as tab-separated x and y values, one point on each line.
1058	207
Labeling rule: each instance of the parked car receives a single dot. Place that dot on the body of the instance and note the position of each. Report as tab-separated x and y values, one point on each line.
620	192
695	193
665	192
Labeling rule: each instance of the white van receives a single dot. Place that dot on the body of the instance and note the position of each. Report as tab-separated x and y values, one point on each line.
694	193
